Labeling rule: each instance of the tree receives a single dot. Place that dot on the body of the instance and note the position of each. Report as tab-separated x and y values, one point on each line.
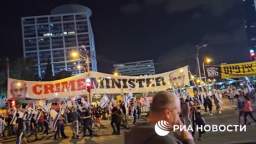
48	76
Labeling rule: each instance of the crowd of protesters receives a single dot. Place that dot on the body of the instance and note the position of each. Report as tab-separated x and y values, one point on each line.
25	121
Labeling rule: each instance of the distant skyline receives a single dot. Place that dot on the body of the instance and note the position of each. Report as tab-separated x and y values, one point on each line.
130	30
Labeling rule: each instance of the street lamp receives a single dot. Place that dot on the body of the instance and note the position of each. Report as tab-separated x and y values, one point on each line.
74	54
198	47
206	60
116	73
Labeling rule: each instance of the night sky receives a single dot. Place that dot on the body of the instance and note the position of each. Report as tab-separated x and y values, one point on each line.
130	30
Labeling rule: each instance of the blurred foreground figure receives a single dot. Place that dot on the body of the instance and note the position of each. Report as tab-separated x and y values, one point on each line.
165	106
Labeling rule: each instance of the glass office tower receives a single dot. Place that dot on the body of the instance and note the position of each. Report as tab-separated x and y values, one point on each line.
51	38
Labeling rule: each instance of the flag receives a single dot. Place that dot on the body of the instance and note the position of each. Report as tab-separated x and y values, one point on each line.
128	98
57	116
85	103
104	102
14	117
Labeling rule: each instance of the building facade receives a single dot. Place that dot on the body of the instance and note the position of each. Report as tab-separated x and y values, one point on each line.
137	68
250	22
51	38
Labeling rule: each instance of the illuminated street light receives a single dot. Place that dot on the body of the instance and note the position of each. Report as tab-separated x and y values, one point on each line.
74	54
208	60
116	74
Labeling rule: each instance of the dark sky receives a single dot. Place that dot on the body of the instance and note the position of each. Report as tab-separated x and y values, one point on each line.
129	30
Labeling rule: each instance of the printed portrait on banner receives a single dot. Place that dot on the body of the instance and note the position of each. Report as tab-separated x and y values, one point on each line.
18	89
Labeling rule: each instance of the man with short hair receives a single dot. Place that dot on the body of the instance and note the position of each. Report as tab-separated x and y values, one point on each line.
165	106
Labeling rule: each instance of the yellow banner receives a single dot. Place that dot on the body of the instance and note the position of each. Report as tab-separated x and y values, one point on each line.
238	70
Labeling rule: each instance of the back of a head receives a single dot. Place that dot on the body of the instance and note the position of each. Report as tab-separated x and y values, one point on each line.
162	100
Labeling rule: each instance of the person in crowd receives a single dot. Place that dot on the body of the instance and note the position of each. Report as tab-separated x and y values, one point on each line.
247	109
197	121
165	106
124	121
60	128
46	123
122	107
134	113
19	129
138	110
240	105
40	120
75	123
33	126
116	120
86	121
27	121
185	111
9	129
196	97
1	126
232	91
202	97
208	103
217	101
97	115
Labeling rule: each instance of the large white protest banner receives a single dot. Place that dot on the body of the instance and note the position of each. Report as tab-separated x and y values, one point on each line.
99	83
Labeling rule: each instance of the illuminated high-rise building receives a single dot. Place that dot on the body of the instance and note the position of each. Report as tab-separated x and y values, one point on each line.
51	38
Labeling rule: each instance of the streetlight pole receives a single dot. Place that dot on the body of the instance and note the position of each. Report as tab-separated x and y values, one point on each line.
204	70
198	47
